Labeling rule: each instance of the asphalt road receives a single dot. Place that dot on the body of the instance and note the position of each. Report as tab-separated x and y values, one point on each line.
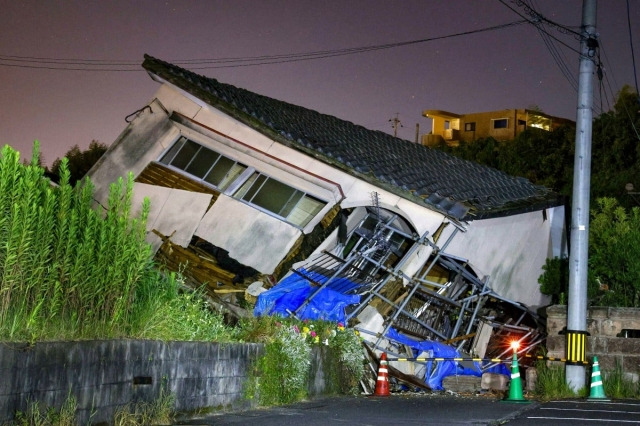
432	409
396	409
560	413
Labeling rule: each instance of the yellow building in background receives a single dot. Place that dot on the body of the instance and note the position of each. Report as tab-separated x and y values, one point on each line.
501	125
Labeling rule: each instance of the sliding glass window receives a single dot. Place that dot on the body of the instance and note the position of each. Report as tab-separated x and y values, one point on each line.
253	187
203	163
291	204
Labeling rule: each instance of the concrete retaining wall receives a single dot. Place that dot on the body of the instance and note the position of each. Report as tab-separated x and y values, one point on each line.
107	375
606	327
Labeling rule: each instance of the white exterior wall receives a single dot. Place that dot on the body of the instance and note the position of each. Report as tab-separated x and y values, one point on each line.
167	214
357	192
256	240
231	224
511	250
142	141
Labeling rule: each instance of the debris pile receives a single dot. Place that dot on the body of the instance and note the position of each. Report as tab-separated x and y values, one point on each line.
442	311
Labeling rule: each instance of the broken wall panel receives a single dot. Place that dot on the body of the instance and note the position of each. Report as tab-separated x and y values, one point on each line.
197	265
167	214
158	174
511	250
260	241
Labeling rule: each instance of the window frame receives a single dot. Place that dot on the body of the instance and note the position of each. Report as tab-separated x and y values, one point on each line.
496	120
233	187
238	186
177	147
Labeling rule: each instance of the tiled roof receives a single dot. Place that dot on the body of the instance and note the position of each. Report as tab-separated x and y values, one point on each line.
458	188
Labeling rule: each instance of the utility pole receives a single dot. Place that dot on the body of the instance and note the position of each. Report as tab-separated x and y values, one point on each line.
578	258
395	122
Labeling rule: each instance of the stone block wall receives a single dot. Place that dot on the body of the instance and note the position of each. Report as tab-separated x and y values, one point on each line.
606	327
107	375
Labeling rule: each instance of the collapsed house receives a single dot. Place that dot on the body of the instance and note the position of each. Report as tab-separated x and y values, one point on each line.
246	189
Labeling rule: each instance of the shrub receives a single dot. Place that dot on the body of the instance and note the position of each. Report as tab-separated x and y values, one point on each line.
613	269
281	374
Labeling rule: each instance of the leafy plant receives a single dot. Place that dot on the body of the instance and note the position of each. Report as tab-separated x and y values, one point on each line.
347	344
282	373
613	269
69	271
284	368
554	280
614	250
176	313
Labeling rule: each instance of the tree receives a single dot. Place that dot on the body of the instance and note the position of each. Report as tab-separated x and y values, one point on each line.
80	162
614	250
616	148
546	157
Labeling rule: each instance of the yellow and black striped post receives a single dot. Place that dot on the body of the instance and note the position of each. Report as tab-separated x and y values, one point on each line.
576	347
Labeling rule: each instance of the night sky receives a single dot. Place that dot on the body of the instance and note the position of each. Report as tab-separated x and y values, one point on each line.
512	67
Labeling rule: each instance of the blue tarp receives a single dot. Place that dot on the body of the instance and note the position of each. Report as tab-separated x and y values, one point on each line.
329	304
290	293
435	376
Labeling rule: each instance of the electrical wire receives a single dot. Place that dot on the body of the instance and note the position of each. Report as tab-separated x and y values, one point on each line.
613	94
560	60
608	72
530	10
633	57
106	65
537	21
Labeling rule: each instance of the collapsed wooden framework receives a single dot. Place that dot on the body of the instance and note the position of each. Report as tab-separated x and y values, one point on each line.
444	301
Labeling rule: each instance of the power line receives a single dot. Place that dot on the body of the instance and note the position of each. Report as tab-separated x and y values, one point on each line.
63	64
537	17
559	60
633	56
537	23
624	106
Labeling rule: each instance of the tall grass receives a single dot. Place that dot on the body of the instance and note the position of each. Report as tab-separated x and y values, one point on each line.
37	414
552	383
616	385
158	412
69	271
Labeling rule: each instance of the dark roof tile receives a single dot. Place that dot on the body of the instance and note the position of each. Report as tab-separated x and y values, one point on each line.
456	187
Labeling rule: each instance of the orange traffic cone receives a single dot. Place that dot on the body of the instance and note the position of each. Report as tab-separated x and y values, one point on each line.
382	384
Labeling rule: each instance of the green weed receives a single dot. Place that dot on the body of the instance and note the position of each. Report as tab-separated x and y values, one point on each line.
551	382
147	413
616	385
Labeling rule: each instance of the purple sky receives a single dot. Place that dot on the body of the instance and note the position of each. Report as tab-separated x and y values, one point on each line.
506	68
